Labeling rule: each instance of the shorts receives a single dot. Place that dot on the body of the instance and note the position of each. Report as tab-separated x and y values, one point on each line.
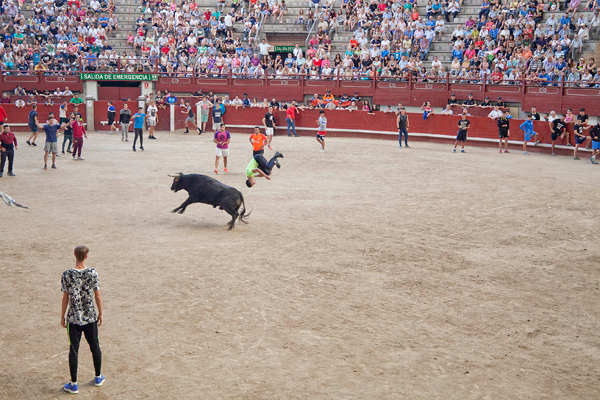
203	118
34	128
222	152
269	131
255	152
595	145
555	135
502	134
216	126
51	147
63	120
111	118
190	119
321	135
580	139
528	136
151	121
462	136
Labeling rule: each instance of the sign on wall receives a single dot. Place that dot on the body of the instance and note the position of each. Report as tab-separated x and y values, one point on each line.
98	76
285	49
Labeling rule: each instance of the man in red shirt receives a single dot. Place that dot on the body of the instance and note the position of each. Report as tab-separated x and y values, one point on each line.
78	134
8	141
258	141
3	116
290	117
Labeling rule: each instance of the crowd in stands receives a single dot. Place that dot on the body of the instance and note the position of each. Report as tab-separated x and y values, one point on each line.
55	35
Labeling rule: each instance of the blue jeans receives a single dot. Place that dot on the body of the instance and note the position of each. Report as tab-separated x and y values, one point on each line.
290	122
405	132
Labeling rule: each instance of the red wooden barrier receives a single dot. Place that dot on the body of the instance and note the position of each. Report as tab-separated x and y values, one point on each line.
21	115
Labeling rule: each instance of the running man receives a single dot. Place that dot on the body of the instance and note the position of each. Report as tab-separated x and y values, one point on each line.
190	121
558	127
78	134
260	167
290	117
503	130
8	145
258	141
594	134
33	125
152	111
402	124
322	131
138	127
528	133
124	120
578	128
463	127
222	139
269	124
80	288
110	115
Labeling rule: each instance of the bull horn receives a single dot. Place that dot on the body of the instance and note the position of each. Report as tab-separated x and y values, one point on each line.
173	176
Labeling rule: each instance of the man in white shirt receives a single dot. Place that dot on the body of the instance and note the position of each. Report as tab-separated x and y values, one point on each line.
495	113
264	48
447	110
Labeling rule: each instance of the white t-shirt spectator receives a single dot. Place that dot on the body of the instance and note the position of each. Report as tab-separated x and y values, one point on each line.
264	49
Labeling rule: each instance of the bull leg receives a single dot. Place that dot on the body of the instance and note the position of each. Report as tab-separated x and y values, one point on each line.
183	206
234	215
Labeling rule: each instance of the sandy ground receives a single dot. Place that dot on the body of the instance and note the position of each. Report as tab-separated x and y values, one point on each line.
366	272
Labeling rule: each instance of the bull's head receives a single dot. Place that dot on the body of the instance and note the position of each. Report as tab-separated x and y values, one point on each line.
177	184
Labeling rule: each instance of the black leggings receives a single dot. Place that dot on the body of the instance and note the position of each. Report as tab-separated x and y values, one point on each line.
139	132
10	154
91	336
263	165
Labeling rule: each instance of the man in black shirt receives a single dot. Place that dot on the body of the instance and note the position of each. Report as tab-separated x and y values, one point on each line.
274	103
500	103
269	124
595	134
463	127
452	99
534	114
558	127
578	128
486	102
503	130
470	101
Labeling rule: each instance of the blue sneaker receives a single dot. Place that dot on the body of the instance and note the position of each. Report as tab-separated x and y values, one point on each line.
454	151
99	381
71	388
463	151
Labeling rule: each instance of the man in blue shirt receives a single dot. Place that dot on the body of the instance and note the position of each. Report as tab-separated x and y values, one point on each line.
51	146
138	127
171	99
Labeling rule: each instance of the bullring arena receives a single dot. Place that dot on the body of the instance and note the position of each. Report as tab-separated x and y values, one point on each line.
366	272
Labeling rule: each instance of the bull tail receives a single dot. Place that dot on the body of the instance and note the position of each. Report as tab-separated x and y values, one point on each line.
243	215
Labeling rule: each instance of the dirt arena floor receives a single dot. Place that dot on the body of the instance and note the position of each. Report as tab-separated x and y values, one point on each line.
366	272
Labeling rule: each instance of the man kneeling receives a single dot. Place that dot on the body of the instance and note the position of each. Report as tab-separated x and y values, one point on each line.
260	167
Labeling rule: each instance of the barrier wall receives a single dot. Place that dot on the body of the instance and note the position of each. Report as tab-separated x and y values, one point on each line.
19	117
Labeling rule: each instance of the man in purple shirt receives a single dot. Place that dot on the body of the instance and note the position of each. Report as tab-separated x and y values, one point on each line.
222	139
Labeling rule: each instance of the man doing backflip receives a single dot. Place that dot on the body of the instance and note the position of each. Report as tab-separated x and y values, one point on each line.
558	127
260	167
80	288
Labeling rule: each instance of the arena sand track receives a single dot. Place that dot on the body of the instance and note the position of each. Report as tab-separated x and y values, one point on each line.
365	273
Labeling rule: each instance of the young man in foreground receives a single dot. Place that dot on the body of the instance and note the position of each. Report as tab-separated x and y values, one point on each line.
80	288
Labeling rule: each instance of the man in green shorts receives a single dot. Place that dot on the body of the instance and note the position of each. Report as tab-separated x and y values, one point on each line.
205	106
260	167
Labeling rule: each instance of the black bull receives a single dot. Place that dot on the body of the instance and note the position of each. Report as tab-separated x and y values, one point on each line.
204	189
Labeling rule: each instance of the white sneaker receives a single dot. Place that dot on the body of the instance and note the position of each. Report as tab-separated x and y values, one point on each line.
80	158
321	151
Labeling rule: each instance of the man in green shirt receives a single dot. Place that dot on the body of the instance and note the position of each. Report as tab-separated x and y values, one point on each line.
76	100
260	167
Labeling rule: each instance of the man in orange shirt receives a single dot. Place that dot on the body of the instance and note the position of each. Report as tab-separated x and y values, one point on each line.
258	141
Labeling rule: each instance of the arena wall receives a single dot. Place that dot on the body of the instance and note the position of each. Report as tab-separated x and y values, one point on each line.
18	117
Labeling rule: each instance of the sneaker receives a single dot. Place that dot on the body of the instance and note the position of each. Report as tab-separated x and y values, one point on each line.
142	148
569	144
576	158
536	142
45	167
150	137
80	158
127	140
1	174
28	143
186	131
99	381
463	151
278	154
63	152
277	164
69	387
122	140
407	146
270	148
216	171
400	147
225	170
321	151
454	151
33	144
11	174
588	147
133	147
53	166
296	136
500	151
591	159
506	151
199	131
525	153
553	154
69	151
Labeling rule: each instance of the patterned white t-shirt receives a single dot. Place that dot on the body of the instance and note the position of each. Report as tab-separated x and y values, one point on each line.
80	285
